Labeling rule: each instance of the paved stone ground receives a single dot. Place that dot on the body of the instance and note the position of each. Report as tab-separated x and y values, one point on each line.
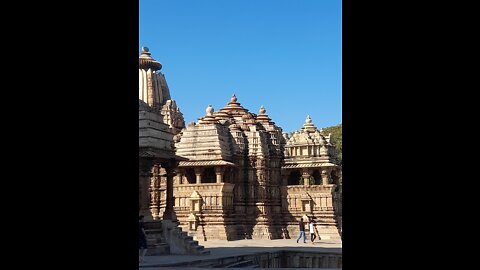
220	248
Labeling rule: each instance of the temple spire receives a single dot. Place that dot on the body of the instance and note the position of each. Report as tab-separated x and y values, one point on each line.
147	62
153	90
309	126
263	116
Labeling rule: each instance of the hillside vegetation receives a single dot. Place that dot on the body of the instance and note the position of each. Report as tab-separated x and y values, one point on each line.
336	139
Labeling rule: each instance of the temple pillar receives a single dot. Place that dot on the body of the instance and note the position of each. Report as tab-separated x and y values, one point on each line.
306	177
180	176
168	214
198	174
145	174
325	176
155	192
219	173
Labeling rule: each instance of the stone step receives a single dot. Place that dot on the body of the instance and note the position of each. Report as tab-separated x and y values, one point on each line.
154	241
152	225
187	239
193	243
155	230
158	249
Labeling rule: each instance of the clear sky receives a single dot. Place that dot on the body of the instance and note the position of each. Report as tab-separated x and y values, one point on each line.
283	54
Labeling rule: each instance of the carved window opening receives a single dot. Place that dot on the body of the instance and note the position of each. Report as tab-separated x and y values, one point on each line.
195	202
306	205
294	177
190	176
209	176
195	205
318	177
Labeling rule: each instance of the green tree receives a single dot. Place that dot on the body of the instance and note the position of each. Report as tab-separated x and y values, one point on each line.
336	140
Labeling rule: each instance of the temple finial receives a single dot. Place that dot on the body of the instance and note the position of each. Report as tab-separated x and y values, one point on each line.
146	61
209	110
262	110
308	120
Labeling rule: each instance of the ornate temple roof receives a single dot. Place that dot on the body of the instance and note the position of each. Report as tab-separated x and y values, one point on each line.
308	148
233	130
206	141
237	115
308	135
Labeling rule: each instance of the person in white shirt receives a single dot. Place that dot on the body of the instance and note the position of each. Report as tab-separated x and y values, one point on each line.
312	231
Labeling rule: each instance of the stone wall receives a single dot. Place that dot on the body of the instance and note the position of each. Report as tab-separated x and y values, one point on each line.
313	201
213	217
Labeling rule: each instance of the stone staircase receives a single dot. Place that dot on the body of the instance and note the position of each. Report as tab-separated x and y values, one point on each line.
166	237
155	240
180	242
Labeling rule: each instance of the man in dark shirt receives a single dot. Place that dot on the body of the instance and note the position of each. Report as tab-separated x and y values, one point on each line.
302	231
142	240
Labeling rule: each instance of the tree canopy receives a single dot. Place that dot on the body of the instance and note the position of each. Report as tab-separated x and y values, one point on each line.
336	140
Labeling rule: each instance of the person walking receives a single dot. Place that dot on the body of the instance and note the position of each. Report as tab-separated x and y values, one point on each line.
302	231
142	240
312	231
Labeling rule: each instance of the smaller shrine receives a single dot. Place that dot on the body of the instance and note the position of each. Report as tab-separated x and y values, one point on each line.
310	181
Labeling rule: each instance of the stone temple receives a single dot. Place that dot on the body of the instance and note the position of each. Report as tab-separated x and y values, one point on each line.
233	174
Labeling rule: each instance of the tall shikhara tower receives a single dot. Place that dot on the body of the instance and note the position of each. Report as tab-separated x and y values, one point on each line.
153	90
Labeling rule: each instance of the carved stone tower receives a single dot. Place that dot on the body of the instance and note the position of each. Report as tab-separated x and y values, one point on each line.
154	91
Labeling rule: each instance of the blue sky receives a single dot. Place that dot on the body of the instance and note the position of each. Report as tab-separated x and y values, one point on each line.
283	54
